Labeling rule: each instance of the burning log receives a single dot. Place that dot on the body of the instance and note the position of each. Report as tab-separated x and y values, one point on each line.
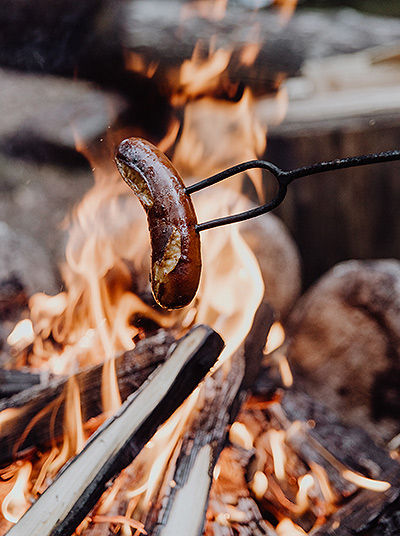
345	340
237	513
75	491
21	428
184	504
345	454
156	33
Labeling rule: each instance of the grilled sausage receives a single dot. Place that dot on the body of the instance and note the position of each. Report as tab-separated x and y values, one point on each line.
175	244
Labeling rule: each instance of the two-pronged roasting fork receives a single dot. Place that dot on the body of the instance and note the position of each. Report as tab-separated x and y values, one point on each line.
174	230
283	178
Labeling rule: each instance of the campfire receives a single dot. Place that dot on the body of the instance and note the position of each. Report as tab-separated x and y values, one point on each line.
120	417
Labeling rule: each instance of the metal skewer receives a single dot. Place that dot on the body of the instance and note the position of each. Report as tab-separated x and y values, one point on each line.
283	178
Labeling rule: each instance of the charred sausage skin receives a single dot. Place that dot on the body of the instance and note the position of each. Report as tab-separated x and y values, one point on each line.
175	244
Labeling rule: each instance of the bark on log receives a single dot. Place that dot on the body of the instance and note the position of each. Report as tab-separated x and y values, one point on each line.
223	394
77	488
344	337
19	411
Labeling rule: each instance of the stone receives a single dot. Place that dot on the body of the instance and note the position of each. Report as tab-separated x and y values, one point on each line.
278	258
344	339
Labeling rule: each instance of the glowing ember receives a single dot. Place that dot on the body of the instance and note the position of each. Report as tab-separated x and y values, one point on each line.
287	528
239	435
276	338
306	483
120	520
277	439
216	472
284	369
259	484
7	414
364	482
324	483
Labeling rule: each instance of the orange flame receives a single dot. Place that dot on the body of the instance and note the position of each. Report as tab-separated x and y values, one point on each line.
15	502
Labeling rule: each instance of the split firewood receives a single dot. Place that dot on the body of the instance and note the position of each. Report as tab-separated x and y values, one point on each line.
344	339
35	416
78	487
183	505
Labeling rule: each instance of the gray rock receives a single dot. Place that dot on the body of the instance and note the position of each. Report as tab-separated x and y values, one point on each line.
24	264
41	115
279	260
344	337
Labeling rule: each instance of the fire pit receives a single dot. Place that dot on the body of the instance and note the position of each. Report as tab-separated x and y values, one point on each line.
220	418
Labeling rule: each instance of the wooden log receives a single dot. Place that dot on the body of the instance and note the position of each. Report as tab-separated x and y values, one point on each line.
21	428
183	506
344	338
15	381
161	35
77	488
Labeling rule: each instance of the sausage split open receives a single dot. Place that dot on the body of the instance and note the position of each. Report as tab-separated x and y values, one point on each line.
175	244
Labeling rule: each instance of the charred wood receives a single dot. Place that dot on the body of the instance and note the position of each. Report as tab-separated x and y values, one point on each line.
78	487
231	509
316	435
222	396
27	415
